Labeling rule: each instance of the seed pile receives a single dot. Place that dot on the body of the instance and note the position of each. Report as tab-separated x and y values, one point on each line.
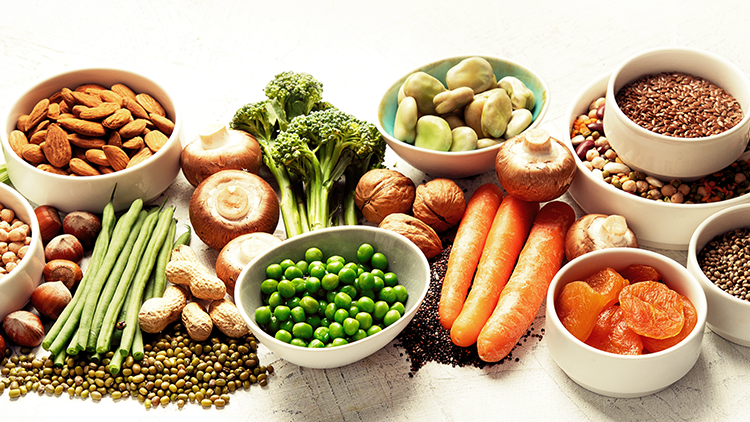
425	340
175	369
679	105
725	260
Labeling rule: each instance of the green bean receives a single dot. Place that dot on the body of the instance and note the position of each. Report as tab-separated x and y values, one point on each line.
159	274
184	238
137	349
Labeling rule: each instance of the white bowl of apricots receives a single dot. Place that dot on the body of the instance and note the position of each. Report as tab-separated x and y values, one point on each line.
625	322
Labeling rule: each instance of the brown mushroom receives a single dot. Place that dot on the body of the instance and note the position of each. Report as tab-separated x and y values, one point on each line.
219	148
534	166
231	203
598	231
239	252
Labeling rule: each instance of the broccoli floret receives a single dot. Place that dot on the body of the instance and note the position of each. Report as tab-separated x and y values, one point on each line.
258	119
293	94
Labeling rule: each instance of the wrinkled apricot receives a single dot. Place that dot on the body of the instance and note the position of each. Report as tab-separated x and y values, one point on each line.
691	320
578	306
608	283
652	309
635	273
612	334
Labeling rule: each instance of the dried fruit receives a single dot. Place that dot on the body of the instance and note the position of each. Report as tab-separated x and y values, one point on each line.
652	309
636	273
611	334
578	305
691	320
608	283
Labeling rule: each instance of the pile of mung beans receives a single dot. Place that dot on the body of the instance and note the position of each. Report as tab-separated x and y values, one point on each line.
175	369
592	147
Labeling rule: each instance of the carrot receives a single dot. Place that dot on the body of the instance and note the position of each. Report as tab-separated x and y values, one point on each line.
466	250
508	233
519	302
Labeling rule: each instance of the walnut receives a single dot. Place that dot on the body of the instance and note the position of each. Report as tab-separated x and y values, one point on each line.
440	203
381	192
415	230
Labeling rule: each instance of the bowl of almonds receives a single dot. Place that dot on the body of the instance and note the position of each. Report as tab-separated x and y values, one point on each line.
71	138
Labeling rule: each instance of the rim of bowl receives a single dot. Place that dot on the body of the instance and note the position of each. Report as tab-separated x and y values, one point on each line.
739	75
36	238
702	313
572	115
693	251
255	328
535	123
22	93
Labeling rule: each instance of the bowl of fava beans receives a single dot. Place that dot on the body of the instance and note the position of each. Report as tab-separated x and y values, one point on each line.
333	296
719	257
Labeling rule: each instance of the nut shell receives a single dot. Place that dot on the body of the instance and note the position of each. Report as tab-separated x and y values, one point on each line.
415	230
381	192
440	203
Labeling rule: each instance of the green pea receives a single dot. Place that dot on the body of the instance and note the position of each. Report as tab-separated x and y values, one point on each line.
274	271
293	302
390	279
283	335
368	293
312	284
287	288
353	265
275	300
378	273
379	261
282	312
336	258
387	294
317	270
366	304
381	308
365	320
286	325
316	344
340	315
399	307
334	267
342	300
350	290
329	281
359	335
298	314
336	330
374	330
300	285
268	286
366	281
321	334
351	326
331	295
401	293
309	304
339	342
287	263
302	330
365	252
313	320
293	272
313	254
322	307
330	310
263	315
298	342
391	316
378	285
273	325
325	322
302	265
353	310
347	275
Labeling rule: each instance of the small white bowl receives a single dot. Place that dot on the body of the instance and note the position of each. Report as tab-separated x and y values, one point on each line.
456	165
656	224
669	157
615	375
728	316
91	193
404	259
17	286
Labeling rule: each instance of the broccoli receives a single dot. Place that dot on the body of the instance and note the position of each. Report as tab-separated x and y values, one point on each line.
293	94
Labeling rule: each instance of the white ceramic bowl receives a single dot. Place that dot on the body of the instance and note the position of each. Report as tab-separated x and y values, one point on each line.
16	287
728	316
404	259
615	375
456	165
665	156
146	180
656	224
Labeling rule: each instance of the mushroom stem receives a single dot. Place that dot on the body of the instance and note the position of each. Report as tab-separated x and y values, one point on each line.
214	136
537	141
615	226
232	202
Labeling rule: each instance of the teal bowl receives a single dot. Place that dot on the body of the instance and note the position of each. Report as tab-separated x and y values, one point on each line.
456	165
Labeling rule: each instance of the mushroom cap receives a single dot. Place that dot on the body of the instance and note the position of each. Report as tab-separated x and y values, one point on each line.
239	252
240	151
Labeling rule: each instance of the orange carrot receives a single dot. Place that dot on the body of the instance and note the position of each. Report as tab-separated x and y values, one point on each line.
504	242
519	302
467	249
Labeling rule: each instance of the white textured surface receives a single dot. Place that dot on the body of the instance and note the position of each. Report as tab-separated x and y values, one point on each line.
219	55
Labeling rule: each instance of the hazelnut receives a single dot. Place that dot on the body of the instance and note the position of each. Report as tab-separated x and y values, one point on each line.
440	203
50	298
415	230
381	192
24	328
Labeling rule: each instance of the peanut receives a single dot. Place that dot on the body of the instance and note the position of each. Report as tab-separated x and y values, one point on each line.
156	313
197	322
202	284
227	318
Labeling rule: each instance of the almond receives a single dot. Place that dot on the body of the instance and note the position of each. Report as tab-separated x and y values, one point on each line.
83	127
82	168
33	154
134	143
53	111
85	142
138	111
55	98
133	128
155	140
64	109
86	99
162	123
142	155
38	137
150	104
68	98
117	158
109	96
96	156
56	147
52	169
38	113
118	119
106	170
89	88
21	122
99	112
114	139
79	153
123	90
17	141
41	126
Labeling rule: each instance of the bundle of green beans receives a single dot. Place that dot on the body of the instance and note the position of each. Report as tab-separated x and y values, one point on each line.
125	269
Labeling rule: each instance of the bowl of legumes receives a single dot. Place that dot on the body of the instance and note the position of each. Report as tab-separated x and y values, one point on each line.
333	296
719	257
678	113
662	212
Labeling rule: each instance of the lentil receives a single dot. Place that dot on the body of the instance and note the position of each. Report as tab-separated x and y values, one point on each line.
725	261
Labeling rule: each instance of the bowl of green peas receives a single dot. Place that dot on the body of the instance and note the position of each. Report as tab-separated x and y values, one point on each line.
333	296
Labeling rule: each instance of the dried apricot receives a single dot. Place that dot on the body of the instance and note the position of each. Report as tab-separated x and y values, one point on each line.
578	305
635	273
612	334
691	320
608	283
652	309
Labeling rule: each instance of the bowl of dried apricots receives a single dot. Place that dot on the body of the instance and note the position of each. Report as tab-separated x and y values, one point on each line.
625	322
